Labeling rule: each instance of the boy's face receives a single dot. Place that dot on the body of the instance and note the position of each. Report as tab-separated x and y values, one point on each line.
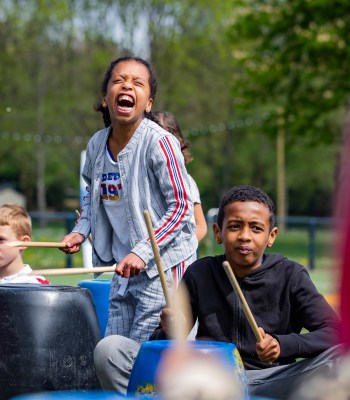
245	234
9	254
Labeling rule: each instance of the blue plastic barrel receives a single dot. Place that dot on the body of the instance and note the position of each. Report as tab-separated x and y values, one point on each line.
95	395
76	395
99	289
143	375
260	398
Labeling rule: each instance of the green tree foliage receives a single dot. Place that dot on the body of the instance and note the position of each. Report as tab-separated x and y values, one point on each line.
233	72
295	61
194	67
292	63
49	74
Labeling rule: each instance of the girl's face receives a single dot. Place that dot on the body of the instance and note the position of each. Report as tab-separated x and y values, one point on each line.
128	93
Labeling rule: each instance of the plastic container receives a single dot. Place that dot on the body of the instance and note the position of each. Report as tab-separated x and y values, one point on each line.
143	376
76	395
99	289
47	337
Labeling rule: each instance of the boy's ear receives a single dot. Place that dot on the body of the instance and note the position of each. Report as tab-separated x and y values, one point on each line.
25	238
272	237
217	233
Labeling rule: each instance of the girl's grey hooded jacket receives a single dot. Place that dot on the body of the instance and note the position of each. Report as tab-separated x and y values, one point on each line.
154	178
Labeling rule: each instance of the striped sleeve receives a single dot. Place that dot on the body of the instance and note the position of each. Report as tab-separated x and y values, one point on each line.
167	168
181	200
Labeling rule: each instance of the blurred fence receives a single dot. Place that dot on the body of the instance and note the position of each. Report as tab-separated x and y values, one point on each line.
61	223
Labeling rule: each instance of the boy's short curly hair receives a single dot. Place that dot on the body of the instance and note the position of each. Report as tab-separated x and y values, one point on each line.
246	193
17	218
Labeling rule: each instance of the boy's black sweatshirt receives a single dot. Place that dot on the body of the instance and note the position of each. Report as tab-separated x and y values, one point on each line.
282	298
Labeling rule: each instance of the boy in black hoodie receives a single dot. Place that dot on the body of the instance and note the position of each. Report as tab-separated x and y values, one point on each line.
279	292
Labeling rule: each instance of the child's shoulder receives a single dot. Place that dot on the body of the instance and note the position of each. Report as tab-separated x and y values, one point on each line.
99	137
151	134
280	259
100	134
280	264
206	263
155	130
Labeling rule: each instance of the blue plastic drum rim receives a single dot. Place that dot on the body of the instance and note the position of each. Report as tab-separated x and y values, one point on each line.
76	395
143	375
99	289
93	395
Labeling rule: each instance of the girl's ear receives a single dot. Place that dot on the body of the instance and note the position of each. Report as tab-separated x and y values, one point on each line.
149	105
104	102
217	233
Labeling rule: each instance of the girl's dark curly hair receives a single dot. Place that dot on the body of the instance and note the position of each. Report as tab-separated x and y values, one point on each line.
152	84
168	121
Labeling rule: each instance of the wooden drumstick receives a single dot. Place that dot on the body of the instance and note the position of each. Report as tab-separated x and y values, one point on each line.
183	320
157	257
36	244
72	271
244	303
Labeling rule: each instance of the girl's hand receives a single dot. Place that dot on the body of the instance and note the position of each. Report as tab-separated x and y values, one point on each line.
74	241
269	348
131	265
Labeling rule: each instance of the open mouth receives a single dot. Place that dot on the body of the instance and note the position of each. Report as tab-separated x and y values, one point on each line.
125	103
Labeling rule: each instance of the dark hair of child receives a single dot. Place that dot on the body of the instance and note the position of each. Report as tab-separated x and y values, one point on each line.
152	84
246	193
168	121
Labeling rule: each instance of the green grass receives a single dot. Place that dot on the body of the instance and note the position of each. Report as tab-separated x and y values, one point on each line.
47	258
53	231
73	280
